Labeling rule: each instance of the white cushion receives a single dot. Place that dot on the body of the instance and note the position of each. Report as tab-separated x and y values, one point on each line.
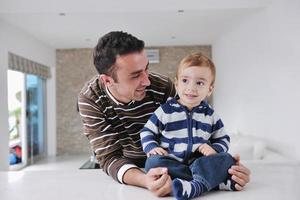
249	148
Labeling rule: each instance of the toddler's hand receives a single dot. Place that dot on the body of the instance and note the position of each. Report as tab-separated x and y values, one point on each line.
206	150
157	150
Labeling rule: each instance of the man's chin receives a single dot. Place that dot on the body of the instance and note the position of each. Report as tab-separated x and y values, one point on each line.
140	96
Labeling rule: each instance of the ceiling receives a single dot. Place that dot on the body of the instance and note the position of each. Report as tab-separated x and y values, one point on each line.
79	24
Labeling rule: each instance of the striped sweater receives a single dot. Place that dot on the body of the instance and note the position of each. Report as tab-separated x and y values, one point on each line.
181	132
113	128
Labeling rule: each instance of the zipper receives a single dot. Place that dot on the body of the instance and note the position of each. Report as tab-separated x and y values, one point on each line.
190	136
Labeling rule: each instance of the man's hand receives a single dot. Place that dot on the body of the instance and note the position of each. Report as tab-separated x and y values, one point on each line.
157	150
159	182
240	174
206	150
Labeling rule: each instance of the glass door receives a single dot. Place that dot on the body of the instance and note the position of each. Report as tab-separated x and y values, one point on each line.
35	115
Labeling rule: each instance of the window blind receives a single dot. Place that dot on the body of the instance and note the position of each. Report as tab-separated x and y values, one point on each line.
27	66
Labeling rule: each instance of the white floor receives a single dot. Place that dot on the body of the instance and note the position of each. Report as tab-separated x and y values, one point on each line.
59	178
63	162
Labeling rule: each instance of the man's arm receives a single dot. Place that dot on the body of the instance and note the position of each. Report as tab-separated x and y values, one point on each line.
103	138
156	180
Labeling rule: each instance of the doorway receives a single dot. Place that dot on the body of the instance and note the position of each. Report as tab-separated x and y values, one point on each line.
27	133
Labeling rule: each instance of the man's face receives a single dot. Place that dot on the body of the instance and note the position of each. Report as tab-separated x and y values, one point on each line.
132	77
193	85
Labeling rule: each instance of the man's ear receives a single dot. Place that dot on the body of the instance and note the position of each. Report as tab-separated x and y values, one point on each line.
106	80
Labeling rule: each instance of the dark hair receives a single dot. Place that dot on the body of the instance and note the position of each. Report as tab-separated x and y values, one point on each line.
110	46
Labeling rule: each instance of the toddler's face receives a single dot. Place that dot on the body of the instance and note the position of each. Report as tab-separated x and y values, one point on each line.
193	85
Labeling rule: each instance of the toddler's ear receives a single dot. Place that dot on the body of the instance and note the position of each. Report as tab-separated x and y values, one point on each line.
211	89
176	83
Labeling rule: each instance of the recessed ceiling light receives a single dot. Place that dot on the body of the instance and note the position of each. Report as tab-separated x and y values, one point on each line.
62	14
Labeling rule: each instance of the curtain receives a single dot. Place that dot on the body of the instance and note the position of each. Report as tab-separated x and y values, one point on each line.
27	66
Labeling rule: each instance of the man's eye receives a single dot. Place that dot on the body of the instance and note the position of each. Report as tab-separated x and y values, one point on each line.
184	80
134	77
200	83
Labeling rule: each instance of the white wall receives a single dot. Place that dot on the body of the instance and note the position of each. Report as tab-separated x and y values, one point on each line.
257	88
14	40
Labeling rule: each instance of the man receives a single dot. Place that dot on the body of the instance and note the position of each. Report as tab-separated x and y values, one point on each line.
115	105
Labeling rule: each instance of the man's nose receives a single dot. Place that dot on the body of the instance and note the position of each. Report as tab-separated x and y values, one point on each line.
145	79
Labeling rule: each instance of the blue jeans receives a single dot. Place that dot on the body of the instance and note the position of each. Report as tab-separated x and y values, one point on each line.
209	170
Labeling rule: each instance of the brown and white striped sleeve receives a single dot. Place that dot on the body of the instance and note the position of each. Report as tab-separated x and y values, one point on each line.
102	137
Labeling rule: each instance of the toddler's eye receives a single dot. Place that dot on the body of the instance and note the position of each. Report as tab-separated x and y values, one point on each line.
184	80
200	83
